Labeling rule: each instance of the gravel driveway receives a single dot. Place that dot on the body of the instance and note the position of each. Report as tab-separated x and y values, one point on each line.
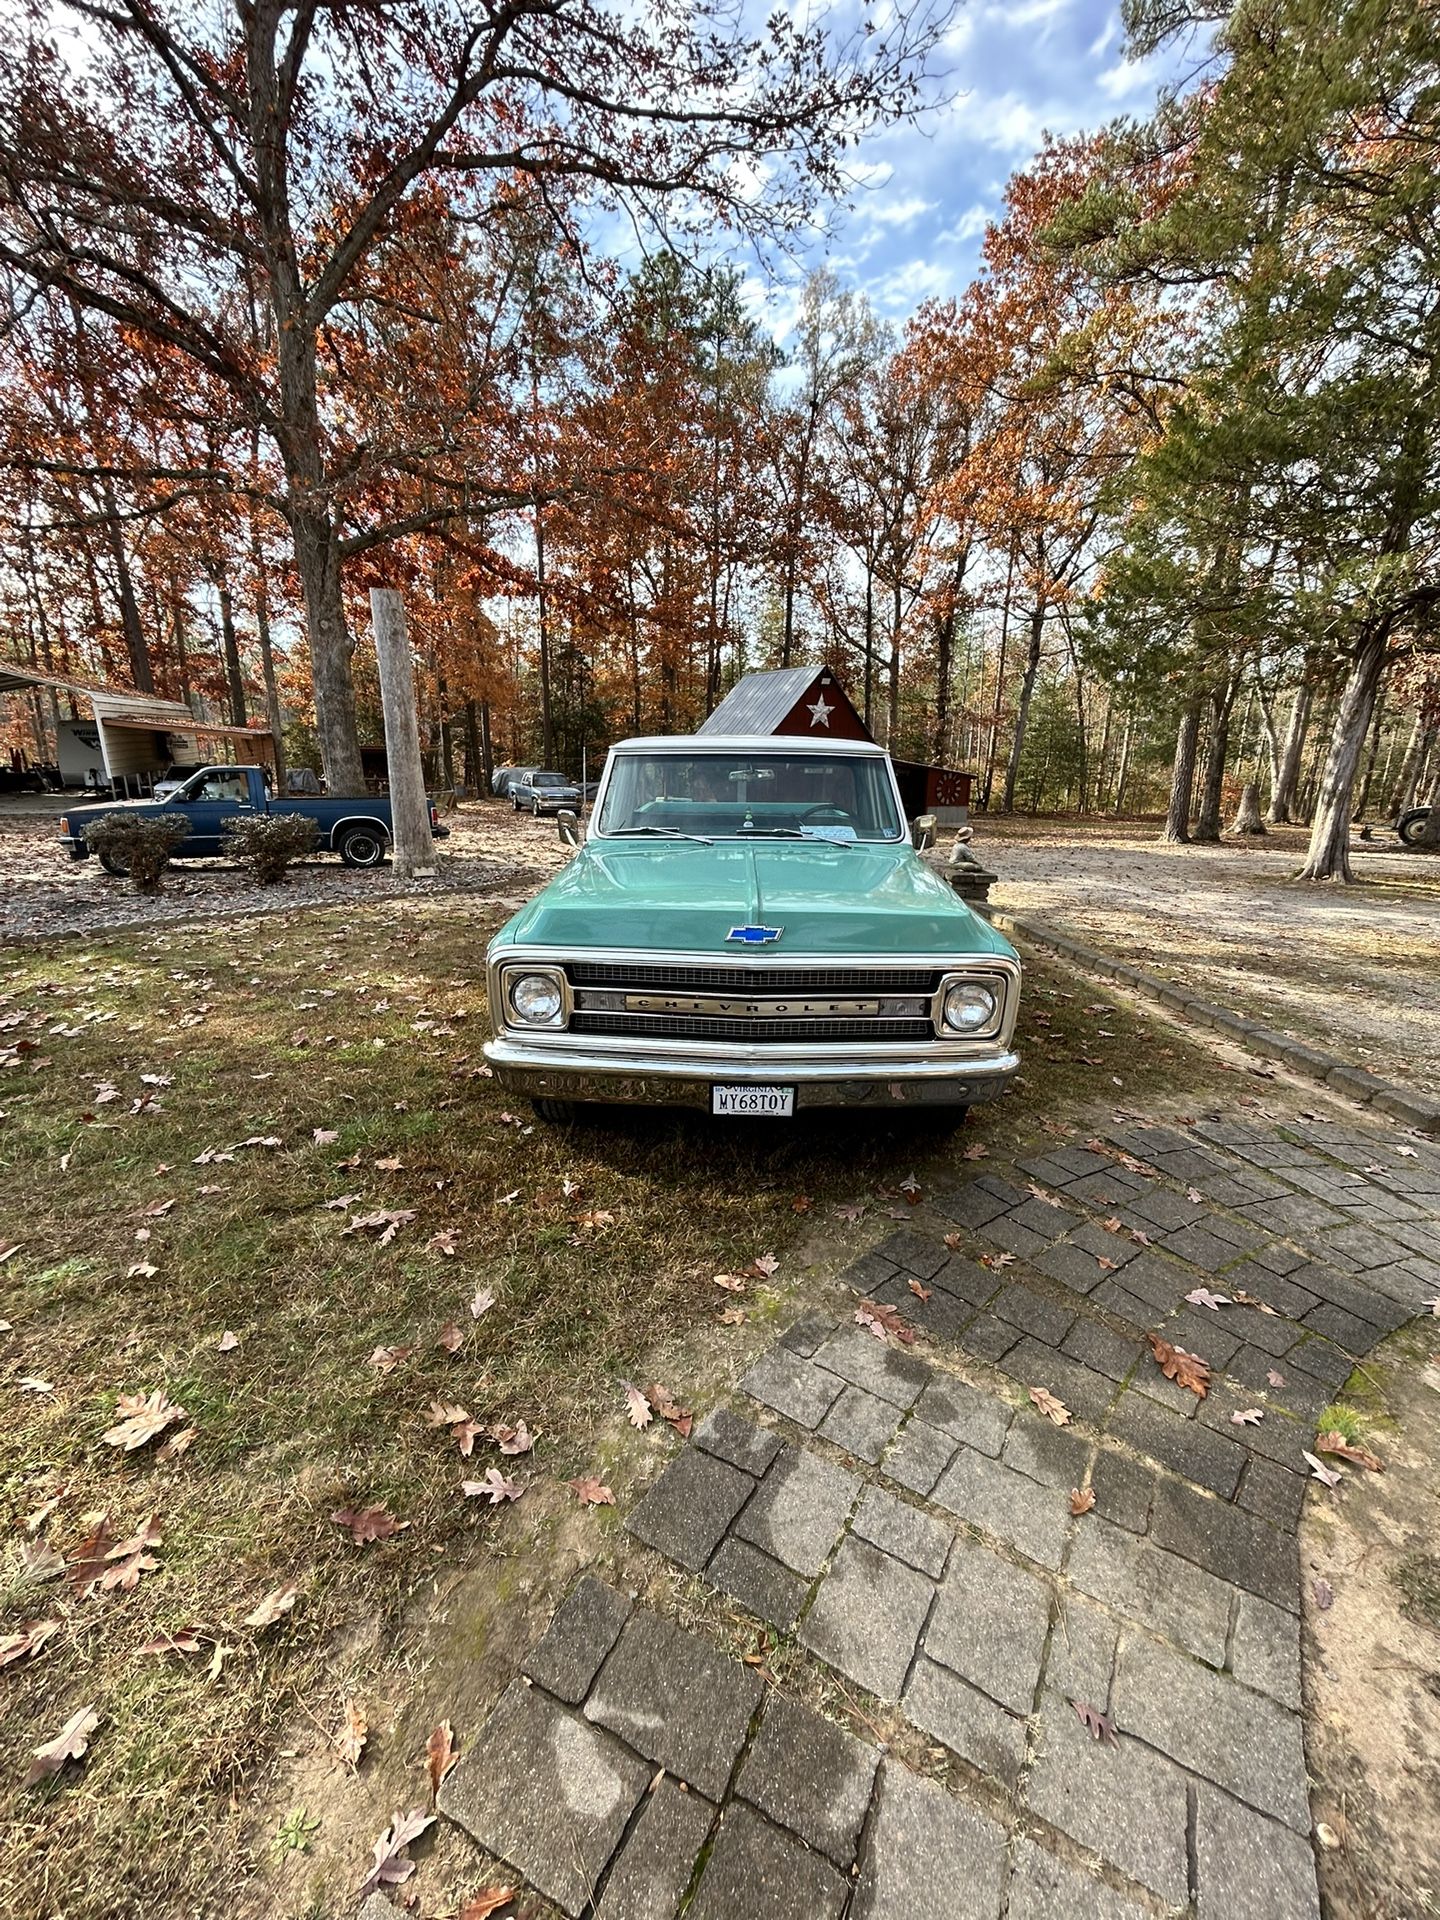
43	892
1353	969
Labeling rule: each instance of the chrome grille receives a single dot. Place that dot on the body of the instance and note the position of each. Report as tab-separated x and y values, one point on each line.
753	980
750	1005
686	1026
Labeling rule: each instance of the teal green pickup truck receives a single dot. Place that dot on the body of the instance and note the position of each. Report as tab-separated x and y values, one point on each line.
748	929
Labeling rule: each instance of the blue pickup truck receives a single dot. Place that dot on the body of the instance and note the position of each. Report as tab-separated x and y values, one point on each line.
358	828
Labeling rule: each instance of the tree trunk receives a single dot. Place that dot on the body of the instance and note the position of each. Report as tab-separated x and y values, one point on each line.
1212	790
1328	857
135	647
1022	712
447	744
475	770
1370	759
868	714
1124	771
992	745
273	714
1287	773
1403	791
234	674
893	723
1247	817
409	814
317	558
1182	775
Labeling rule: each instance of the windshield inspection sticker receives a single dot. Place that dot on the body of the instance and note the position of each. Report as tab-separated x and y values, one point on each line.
842	836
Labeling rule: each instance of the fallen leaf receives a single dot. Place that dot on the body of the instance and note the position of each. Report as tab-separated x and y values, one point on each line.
733	1317
443	1242
637	1407
1247	1417
40	1561
444	1413
910	1187
324	1136
590	1492
32	1383
142	1416
512	1440
440	1755
389	1165
1243	1299
1194	1196
802	1203
25	1644
1052	1408
488	1900
1041	1193
1185	1369
227	1342
879	1318
1081	1500
920	1293
389	1868
177	1444
494	1487
1113	1225
851	1212
368	1524
730	1282
1275	1379
975	1152
766	1264
388	1222
482	1303
954	1241
186	1641
386	1359
1327	1476
1203	1297
997	1260
1323	1591
1097	1724
349	1742
1337	1444
273	1606
71	1743
1140	1237
451	1338
128	1559
1104	1261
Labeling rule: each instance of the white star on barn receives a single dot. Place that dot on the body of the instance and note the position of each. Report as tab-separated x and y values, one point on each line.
820	713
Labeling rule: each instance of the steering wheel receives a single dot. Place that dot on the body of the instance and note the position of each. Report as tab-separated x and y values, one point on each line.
835	816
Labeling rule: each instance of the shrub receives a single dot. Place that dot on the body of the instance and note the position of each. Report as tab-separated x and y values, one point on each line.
139	844
268	842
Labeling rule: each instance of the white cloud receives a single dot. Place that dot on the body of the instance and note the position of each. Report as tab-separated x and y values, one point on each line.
896	213
1128	78
1027	12
970	225
1104	38
902	288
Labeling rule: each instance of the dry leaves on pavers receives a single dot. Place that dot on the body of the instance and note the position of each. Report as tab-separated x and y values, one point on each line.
366	1525
1275	1378
25	1644
879	1319
273	1606
349	1742
1082	1499
1247	1416
1337	1444
920	1293
440	1755
1203	1297
390	1867
1243	1299
1098	1725
1185	1369
590	1491
71	1743
1052	1408
997	1260
142	1417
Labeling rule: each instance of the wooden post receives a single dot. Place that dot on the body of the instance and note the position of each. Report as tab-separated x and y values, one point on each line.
413	847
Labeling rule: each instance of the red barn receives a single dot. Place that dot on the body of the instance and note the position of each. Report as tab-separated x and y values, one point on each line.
811	701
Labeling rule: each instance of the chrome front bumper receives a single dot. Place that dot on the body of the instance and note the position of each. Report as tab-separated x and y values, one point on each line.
557	1071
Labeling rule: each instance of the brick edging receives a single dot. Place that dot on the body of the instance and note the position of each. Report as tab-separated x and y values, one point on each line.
1412	1109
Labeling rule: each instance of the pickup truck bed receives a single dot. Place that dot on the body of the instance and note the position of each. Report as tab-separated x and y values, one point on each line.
357	827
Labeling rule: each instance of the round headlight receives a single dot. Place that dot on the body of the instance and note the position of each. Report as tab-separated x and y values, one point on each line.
968	1007
535	997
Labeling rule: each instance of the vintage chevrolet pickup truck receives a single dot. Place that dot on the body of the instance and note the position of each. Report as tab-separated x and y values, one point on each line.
747	928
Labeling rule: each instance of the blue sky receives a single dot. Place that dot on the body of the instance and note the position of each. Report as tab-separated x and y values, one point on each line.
924	194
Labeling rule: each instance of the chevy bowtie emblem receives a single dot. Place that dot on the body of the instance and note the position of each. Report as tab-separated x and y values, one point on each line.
754	936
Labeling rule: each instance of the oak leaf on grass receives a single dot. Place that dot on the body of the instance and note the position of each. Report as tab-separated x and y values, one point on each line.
273	1606
494	1487
142	1417
349	1742
1337	1444
440	1755
590	1491
71	1743
637	1407
488	1900
366	1525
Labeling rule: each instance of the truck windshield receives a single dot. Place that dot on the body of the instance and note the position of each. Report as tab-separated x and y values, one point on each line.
746	795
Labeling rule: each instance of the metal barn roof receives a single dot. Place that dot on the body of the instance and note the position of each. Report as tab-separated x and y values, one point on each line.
758	702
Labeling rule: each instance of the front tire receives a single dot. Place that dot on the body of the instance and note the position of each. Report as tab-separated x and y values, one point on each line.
514	803
112	864
363	847
1413	825
535	809
558	1113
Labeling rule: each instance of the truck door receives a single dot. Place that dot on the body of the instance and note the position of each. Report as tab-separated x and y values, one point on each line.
209	804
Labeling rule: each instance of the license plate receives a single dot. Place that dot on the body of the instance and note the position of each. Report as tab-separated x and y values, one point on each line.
768	1103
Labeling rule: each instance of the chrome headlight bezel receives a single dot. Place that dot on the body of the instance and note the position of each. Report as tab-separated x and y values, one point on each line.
986	992
513	979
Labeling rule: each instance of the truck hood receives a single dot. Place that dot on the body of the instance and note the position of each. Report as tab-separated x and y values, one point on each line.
683	897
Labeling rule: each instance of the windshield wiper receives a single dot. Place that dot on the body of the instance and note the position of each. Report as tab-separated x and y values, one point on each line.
666	833
791	833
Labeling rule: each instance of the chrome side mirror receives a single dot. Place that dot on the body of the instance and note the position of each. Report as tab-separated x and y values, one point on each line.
922	832
568	827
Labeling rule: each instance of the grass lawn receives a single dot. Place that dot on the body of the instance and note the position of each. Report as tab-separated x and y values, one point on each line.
154	1251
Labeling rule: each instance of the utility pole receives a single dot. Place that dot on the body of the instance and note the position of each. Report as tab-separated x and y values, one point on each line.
414	848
